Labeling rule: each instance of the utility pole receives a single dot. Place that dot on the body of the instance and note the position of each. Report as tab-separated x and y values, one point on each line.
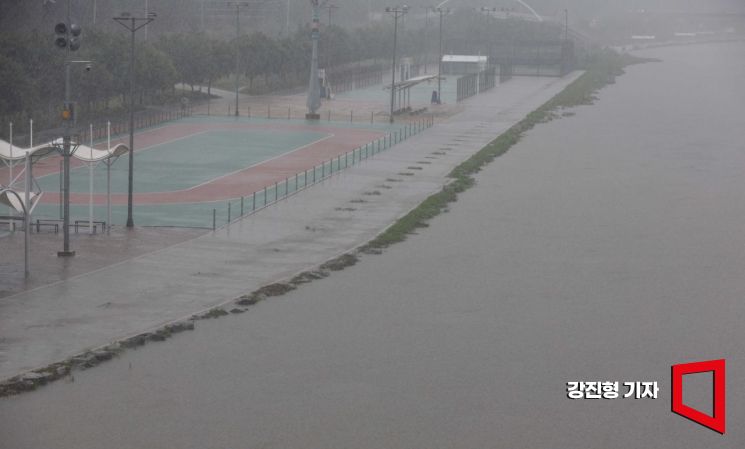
566	25
132	24
397	11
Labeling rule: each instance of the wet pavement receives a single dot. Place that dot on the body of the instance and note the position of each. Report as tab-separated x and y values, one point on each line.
607	246
54	322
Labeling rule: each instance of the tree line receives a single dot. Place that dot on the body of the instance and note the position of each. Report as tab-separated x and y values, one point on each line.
32	69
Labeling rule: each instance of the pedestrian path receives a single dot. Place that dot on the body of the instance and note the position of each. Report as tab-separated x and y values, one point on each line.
53	322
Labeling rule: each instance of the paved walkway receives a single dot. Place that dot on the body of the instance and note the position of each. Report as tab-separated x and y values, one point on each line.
53	322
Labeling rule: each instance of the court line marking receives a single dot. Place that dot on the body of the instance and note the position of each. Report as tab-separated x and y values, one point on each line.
136	151
330	136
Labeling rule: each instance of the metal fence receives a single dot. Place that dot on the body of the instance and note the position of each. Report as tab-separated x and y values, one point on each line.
271	194
467	86
297	112
505	72
487	79
351	81
119	126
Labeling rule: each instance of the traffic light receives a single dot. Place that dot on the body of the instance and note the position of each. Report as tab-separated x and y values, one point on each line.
75	31
61	30
67	36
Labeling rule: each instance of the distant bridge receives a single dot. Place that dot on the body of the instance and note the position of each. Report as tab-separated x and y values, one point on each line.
710	14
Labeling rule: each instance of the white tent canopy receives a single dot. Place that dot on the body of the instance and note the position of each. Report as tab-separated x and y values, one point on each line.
9	153
16	202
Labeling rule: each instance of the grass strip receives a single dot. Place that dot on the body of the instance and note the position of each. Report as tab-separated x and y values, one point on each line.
602	71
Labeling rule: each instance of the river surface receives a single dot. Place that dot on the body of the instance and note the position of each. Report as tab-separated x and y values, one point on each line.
606	246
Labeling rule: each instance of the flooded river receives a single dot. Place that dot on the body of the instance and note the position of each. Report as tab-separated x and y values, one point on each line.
606	246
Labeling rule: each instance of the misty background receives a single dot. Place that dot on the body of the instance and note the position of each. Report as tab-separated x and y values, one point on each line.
271	16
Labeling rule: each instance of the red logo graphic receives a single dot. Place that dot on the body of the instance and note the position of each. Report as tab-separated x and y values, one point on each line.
717	367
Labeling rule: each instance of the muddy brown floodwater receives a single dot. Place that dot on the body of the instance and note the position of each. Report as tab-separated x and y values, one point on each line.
606	246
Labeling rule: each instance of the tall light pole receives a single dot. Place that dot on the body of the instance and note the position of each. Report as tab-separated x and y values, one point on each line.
331	9
238	6
132	24
442	11
566	25
426	37
314	89
287	19
68	40
397	11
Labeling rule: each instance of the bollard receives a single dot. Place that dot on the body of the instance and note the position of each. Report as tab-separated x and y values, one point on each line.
253	202
323	170
228	211
268	111
351	116
264	195
276	191
372	116
248	112
241	206
214	219
329	114
288	113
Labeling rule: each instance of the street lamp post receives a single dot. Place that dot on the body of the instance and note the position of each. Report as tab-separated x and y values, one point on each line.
67	39
132	24
238	6
313	101
442	12
397	11
331	9
426	37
